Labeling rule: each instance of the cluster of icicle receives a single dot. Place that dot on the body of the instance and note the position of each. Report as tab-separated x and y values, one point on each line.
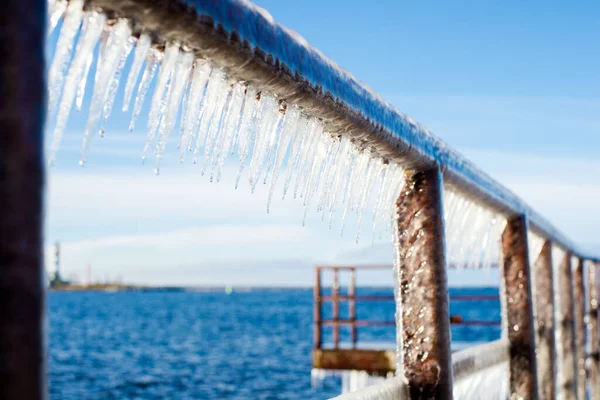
217	117
473	232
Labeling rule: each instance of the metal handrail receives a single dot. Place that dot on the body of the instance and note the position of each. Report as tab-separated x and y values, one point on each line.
248	44
351	298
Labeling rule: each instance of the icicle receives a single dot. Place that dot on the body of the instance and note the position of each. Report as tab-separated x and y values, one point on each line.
141	53
268	120
290	126
339	177
329	174
353	181
159	98
308	149
56	9
216	94
116	45
273	143
114	84
181	76
246	134
295	152
89	38
324	147
193	108
152	61
376	169
83	82
230	126
221	108
63	51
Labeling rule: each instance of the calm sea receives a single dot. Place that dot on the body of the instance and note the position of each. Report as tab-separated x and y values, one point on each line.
206	345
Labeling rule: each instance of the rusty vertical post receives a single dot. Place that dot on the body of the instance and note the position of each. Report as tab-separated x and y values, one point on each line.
579	315
318	341
352	305
592	330
423	290
336	308
518	308
567	380
544	296
22	106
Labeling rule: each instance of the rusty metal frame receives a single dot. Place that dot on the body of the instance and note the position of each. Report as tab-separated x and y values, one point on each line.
22	106
423	287
544	305
579	317
567	363
518	309
592	330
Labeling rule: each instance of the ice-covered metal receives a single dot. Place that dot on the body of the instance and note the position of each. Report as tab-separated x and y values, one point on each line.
249	45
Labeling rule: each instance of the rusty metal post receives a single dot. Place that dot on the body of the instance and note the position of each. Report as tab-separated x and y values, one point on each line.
22	106
544	302
352	305
336	308
592	329
318	341
423	291
567	380
579	315
518	309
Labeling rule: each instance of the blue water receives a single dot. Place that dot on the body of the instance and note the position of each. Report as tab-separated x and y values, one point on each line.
205	345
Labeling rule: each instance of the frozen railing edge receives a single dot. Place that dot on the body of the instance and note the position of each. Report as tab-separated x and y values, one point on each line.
248	44
474	359
392	389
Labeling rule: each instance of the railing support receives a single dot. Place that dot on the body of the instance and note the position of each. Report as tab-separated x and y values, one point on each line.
423	290
336	308
22	107
318	341
518	308
592	329
579	315
352	306
544	303
566	377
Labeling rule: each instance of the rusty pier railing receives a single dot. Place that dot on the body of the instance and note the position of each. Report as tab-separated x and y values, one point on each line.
247	45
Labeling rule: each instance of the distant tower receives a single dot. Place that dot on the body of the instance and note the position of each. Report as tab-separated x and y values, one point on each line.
56	279
57	261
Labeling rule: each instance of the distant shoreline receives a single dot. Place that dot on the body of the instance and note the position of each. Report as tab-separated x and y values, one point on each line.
239	289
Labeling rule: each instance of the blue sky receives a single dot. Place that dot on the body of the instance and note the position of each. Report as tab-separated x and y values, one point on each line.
512	85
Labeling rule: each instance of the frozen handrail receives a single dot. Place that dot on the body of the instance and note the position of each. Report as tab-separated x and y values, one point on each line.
248	44
392	389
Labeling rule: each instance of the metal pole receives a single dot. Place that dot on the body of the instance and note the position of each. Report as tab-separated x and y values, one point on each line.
567	381
592	329
352	304
318	341
22	106
544	296
518	306
336	308
423	287
579	315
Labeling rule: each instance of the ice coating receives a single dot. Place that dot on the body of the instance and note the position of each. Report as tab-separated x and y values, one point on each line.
473	232
276	142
